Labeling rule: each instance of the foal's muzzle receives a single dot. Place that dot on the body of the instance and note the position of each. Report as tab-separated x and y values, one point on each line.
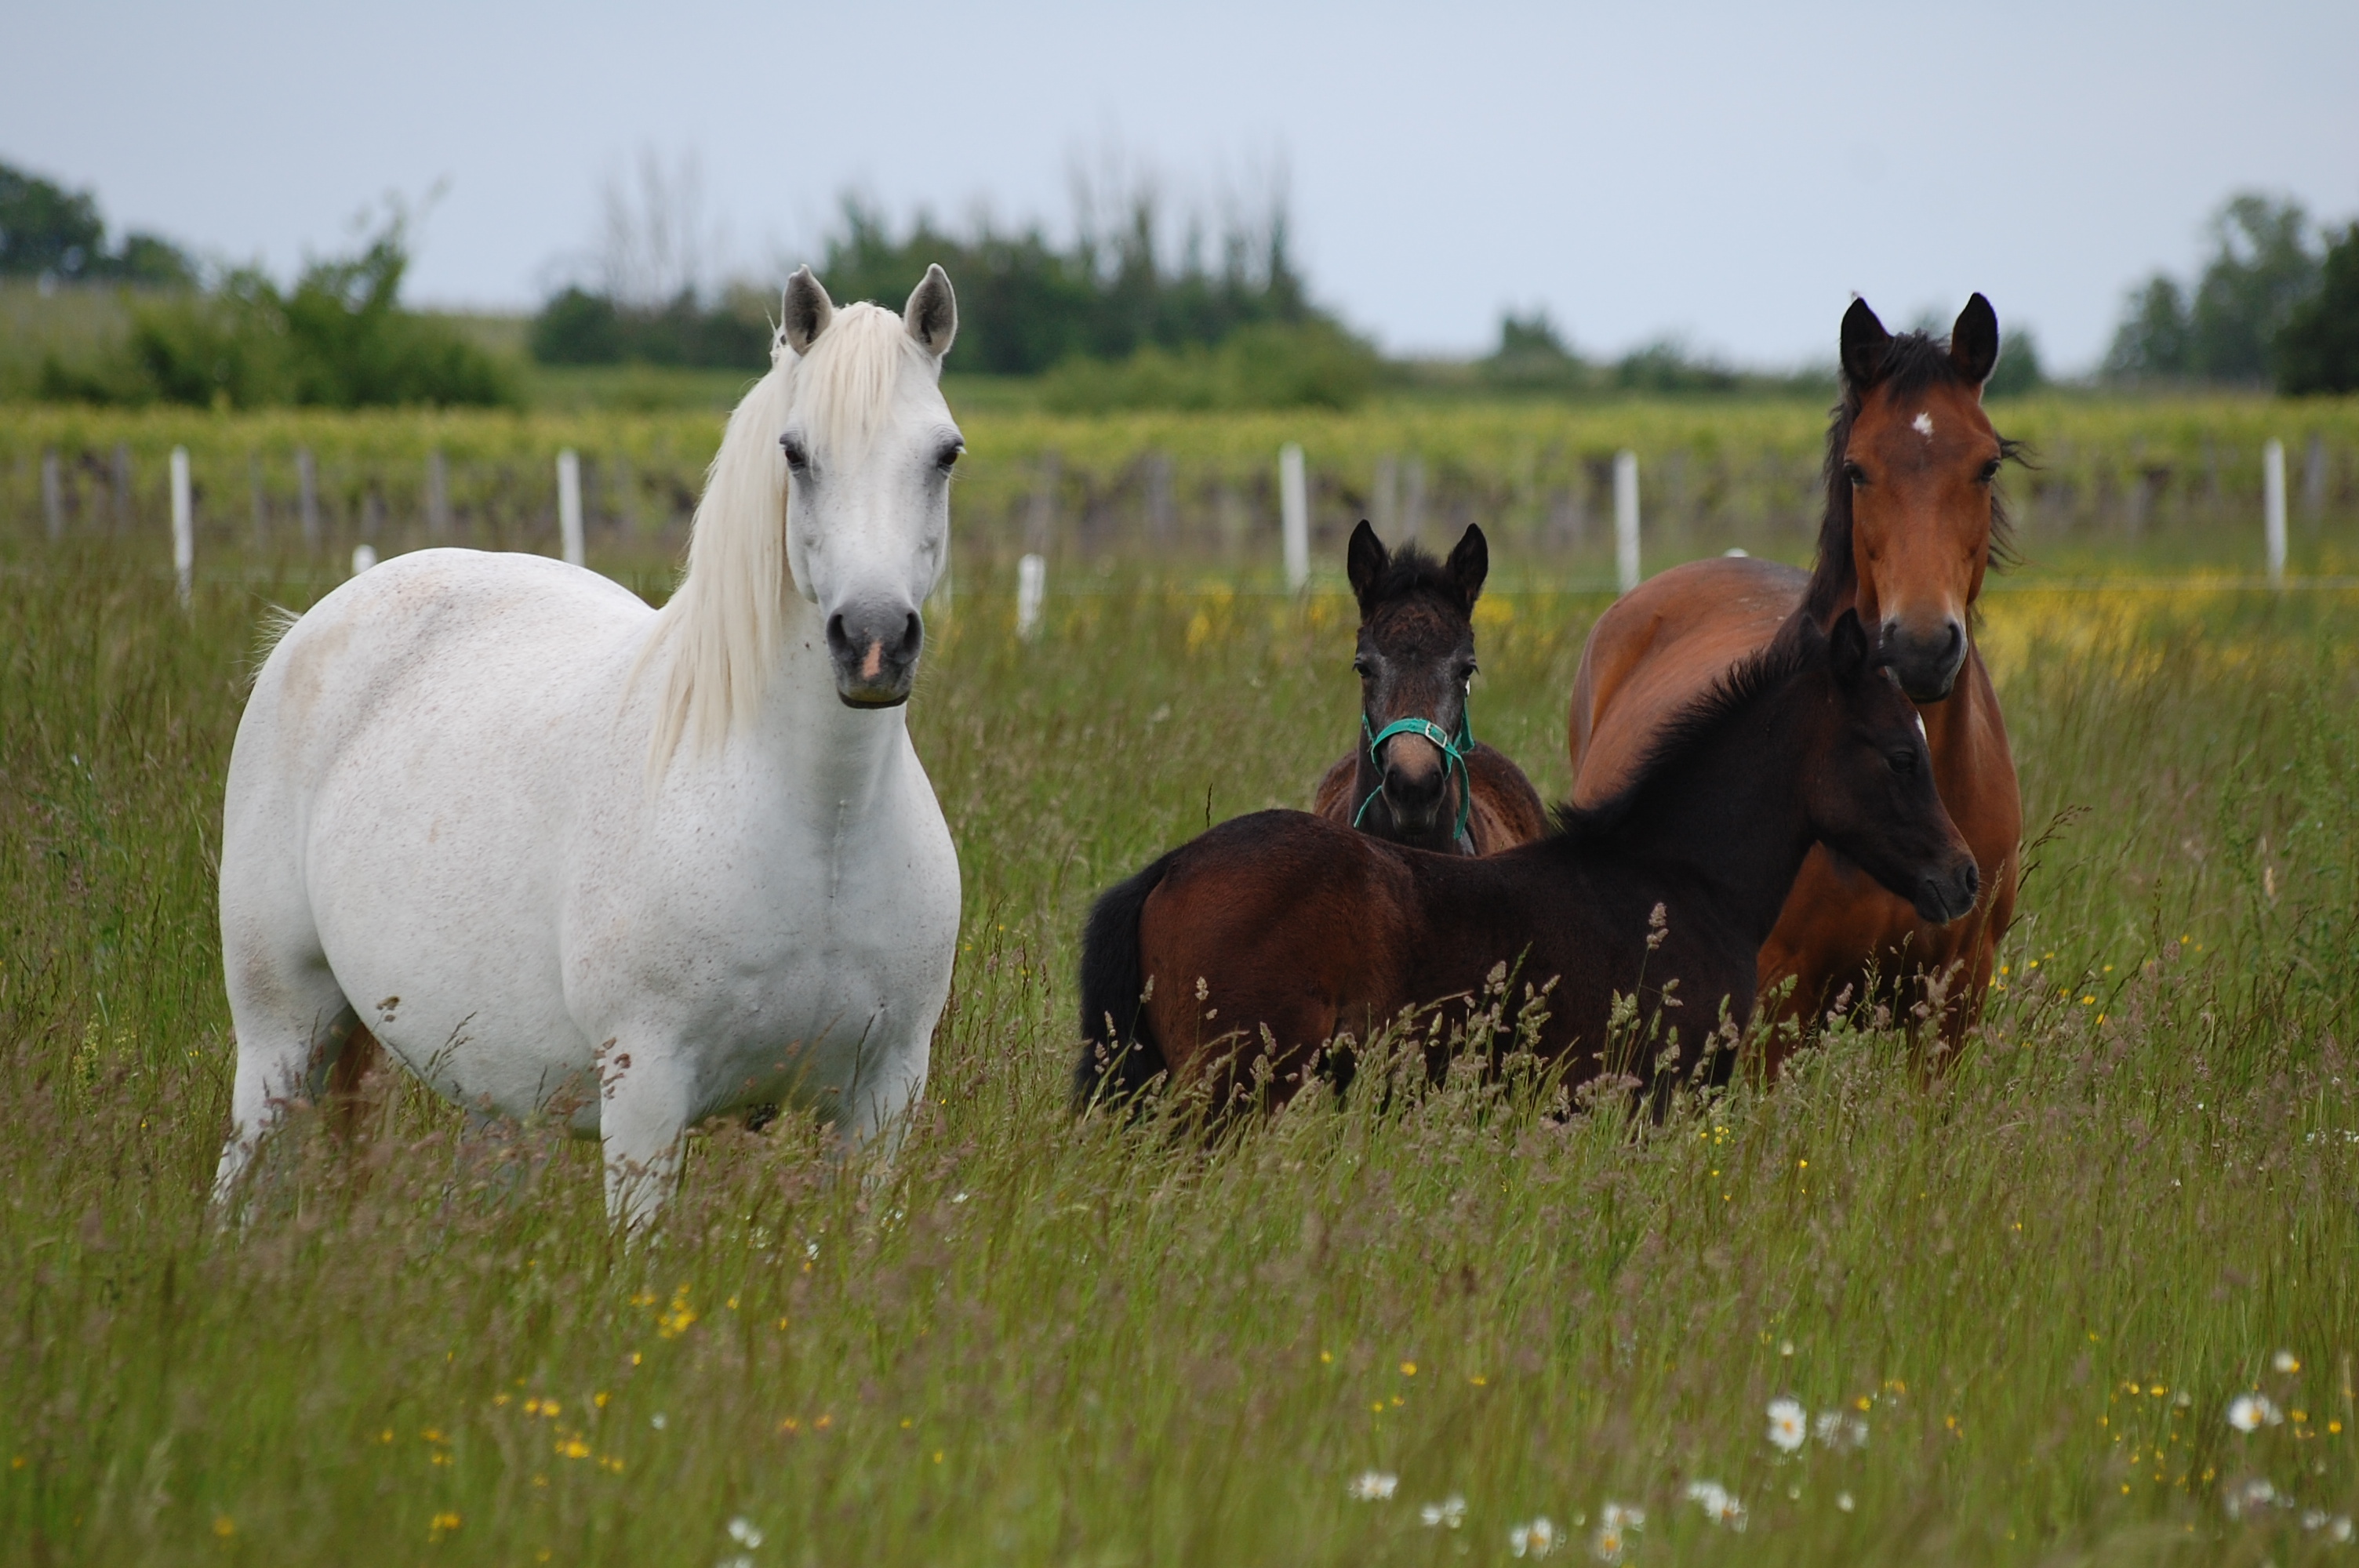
874	648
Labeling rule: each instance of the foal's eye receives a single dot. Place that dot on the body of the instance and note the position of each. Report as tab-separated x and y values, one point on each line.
1904	762
1360	668
798	457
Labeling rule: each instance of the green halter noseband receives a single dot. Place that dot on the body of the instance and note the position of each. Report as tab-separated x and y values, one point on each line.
1454	755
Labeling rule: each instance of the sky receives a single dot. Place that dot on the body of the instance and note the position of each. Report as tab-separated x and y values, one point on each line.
1728	174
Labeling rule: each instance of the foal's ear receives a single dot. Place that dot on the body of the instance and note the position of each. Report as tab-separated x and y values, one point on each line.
1365	561
1848	649
1974	340
1470	563
1864	342
808	310
931	314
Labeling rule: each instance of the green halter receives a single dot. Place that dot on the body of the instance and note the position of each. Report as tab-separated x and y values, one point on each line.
1454	755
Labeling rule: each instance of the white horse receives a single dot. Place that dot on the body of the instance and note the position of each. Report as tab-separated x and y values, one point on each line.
564	854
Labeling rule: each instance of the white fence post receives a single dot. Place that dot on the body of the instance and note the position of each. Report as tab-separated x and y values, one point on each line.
1625	520
568	505
54	497
1293	517
2273	509
184	527
363	558
1031	588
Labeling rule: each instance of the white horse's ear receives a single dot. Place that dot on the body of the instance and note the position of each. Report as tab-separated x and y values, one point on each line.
808	310
931	315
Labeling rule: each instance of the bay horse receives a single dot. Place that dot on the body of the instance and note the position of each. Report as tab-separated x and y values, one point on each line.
565	855
1230	963
1912	524
1418	776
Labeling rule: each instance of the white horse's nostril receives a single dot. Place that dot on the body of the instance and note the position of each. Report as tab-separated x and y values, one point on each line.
874	664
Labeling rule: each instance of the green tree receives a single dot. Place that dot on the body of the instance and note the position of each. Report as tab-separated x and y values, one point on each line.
2318	347
47	231
2227	328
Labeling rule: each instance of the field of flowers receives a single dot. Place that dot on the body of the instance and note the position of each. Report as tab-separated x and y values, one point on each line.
2086	1293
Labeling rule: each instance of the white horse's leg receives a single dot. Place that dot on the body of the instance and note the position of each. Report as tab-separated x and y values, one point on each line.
282	1056
641	1120
889	1085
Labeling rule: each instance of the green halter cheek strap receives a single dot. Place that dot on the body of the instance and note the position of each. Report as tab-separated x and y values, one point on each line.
1454	754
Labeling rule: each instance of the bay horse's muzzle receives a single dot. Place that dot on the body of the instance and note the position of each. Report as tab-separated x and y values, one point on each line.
1925	661
1945	897
874	648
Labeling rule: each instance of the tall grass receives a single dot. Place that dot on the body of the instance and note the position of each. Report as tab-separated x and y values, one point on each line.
2038	1279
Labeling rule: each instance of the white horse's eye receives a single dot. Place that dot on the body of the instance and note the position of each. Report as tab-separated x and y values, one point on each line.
798	456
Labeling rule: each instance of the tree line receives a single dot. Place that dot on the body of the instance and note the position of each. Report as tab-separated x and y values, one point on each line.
2277	303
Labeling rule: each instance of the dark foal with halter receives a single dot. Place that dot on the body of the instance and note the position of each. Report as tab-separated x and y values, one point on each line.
1418	776
1233	962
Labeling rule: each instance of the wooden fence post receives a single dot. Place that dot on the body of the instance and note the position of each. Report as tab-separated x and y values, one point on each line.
53	496
2273	509
568	505
1293	517
1625	520
307	495
184	528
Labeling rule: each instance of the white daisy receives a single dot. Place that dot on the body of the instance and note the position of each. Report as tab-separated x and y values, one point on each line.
1615	1524
745	1532
1374	1486
1536	1539
2249	1413
1838	1429
1447	1514
2285	1361
1719	1504
1787	1427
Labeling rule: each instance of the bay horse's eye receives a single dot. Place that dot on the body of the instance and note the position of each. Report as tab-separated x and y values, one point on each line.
1904	762
1989	472
1360	668
1854	473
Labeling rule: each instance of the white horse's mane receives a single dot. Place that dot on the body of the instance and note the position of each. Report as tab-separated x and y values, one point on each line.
720	632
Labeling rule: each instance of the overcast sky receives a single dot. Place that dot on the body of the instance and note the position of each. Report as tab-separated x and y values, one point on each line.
1730	173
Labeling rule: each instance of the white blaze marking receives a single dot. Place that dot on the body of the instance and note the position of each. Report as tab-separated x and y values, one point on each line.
1921	728
1923	426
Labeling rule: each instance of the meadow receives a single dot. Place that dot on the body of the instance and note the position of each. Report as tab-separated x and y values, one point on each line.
2026	1303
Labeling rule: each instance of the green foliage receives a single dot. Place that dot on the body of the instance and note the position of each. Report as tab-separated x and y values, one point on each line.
1024	305
2037	1276
1533	355
1310	365
48	231
340	339
579	328
2318	348
2263	267
2019	370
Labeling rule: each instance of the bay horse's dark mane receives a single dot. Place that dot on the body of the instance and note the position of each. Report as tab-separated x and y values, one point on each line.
1686	731
1912	362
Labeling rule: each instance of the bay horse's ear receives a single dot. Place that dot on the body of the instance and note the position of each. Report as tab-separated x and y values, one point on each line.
1864	342
1848	650
808	310
1974	340
1470	563
1365	561
931	314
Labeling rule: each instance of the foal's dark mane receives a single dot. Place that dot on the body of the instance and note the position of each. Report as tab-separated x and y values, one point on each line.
1912	363
1410	571
1687	731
